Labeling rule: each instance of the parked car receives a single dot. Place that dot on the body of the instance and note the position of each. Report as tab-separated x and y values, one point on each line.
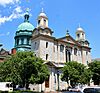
19	88
74	89
91	90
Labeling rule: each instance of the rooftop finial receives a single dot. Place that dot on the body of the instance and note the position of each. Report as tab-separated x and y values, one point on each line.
42	10
67	34
26	16
79	25
27	9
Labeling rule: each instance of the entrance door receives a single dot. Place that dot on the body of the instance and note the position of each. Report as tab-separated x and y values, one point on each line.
47	83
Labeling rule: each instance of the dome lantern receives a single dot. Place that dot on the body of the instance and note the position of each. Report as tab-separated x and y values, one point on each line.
26	16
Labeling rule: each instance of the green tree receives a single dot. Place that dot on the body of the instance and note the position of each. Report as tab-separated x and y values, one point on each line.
42	72
95	68
23	68
76	73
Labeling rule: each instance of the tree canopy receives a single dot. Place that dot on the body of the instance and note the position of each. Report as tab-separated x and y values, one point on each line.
95	68
76	73
23	68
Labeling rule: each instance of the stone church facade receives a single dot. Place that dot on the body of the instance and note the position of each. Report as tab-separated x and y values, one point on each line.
57	51
54	51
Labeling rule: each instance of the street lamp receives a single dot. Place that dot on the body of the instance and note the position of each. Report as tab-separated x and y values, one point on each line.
58	78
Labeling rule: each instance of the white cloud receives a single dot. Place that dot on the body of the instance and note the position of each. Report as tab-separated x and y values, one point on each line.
17	13
18	9
5	2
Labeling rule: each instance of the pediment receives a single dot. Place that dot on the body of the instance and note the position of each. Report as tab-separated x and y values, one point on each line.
68	39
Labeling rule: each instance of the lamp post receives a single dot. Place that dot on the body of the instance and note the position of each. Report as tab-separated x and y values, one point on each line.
58	78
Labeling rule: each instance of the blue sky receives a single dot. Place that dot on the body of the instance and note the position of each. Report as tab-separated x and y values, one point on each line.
62	14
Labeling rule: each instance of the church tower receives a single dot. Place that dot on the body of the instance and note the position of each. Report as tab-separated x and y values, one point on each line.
42	20
80	37
23	35
42	25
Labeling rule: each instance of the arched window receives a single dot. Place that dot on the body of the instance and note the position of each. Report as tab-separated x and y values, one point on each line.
27	40
46	44
86	53
46	56
75	51
22	41
61	48
44	22
38	22
78	35
17	42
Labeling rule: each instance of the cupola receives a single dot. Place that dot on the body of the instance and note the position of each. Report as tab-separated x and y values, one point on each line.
80	34
42	20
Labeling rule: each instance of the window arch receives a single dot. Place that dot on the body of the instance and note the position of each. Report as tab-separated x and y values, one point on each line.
46	56
75	51
61	48
27	40
17	42
22	41
38	22
46	44
78	35
44	21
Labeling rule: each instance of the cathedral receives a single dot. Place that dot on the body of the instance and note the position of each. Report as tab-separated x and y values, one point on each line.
54	51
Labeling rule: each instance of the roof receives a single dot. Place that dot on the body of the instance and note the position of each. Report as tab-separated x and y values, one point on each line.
61	40
25	26
53	64
79	30
42	14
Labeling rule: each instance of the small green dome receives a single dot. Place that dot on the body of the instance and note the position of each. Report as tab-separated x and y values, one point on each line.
25	26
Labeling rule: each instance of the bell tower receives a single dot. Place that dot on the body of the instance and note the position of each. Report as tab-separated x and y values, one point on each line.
80	34
42	20
80	37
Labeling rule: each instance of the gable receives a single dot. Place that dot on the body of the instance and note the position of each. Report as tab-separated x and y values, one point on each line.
3	52
68	39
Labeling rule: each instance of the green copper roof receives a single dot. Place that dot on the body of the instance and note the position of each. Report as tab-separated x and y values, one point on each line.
25	26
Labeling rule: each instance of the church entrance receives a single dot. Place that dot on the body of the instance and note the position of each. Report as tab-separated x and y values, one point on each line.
47	83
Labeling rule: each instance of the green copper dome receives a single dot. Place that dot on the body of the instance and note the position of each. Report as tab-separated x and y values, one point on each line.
23	35
25	26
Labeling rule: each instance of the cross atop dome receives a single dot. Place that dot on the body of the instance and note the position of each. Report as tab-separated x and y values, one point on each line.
80	28
42	10
67	34
42	14
79	25
26	16
27	9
